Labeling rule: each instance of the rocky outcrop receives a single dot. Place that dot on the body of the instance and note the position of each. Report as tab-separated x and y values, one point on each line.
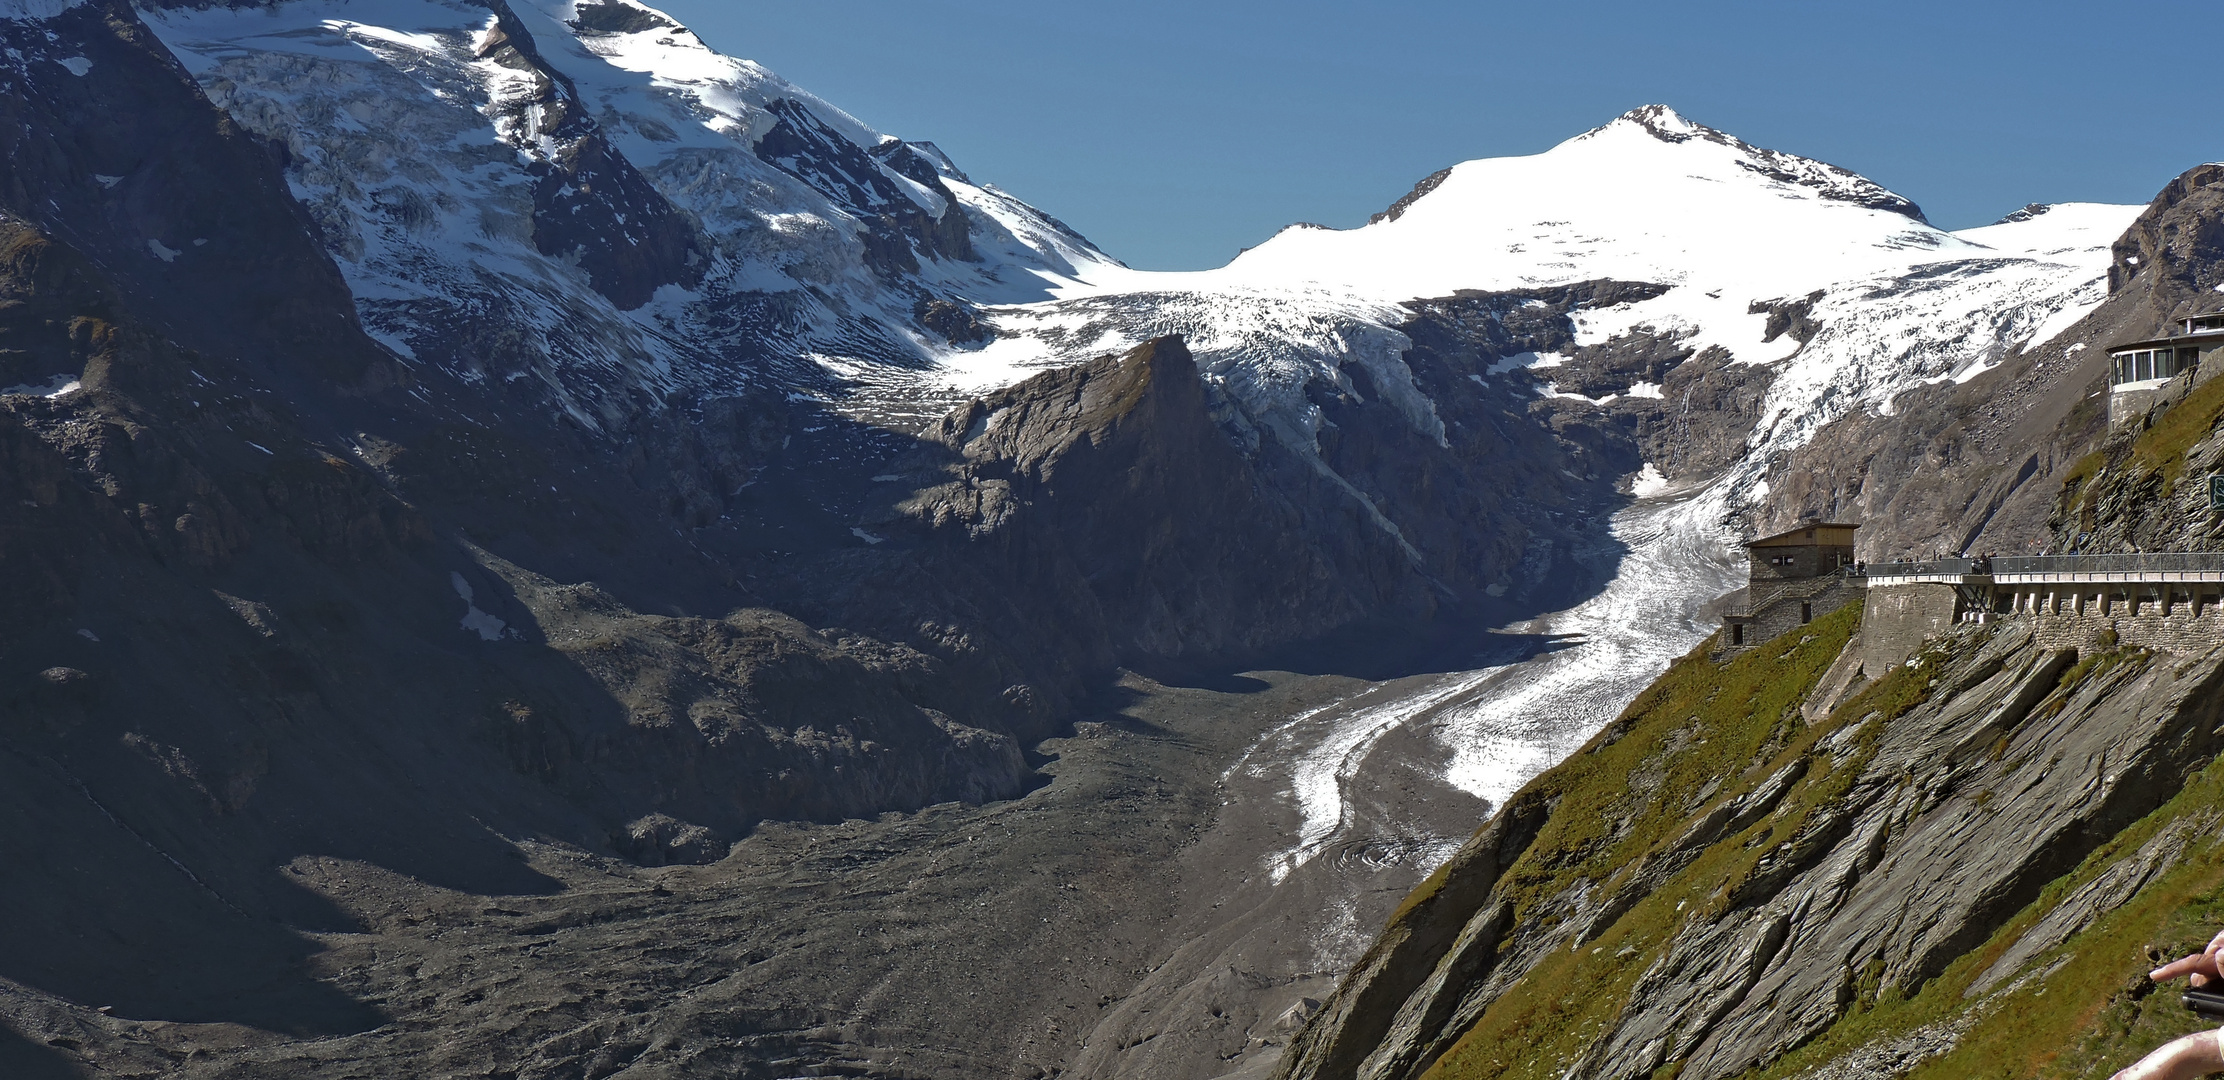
898	228
1115	466
1397	209
1854	866
589	203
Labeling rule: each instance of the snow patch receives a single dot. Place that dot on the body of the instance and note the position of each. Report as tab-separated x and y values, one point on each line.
866	536
478	622
1649	482
52	388
76	65
1526	360
166	254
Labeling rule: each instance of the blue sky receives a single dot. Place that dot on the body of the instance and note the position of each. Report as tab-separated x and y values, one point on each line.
1175	133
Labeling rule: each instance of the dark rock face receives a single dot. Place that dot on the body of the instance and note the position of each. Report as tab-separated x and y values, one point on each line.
618	17
1397	209
898	229
2178	244
588	200
1794	317
954	321
185	214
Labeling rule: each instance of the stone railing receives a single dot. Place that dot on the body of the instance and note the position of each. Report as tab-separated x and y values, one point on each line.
2125	567
1927	568
2131	565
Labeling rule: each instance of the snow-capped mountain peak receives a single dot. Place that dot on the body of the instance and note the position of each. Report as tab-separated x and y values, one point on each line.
1828	181
645	215
1649	196
1737	243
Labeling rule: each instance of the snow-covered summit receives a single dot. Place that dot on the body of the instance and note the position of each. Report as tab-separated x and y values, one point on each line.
1827	180
1650	196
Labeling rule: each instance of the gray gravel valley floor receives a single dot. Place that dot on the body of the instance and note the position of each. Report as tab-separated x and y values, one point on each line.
1200	867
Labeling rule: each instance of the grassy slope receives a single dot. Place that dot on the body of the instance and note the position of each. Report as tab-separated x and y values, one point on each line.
1708	731
2093	1014
1626	795
2161	448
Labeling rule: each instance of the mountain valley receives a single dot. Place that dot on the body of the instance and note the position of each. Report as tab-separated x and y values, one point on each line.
538	549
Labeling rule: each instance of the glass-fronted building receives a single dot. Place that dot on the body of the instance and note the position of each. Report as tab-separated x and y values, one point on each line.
2140	372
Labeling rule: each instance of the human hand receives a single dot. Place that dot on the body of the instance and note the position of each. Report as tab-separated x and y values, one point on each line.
2179	1059
2201	966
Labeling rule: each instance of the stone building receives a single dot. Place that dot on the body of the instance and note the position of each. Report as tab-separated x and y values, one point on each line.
2143	374
1793	578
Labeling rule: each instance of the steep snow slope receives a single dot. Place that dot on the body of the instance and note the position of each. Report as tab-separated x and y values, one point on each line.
585	199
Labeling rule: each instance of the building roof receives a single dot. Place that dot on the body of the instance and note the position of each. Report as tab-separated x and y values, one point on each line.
2181	338
1800	533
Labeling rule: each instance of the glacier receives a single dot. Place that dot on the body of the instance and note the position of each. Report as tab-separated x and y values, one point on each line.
438	145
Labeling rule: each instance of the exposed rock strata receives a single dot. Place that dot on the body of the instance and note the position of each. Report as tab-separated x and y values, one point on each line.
1957	814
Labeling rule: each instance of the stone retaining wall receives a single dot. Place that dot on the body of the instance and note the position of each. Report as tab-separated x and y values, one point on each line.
1898	618
2181	631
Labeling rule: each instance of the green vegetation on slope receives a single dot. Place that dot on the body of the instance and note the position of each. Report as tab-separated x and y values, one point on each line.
2084	1009
1702	734
1708	732
2161	448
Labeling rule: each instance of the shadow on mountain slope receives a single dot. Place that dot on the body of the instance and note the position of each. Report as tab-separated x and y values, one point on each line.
24	1059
